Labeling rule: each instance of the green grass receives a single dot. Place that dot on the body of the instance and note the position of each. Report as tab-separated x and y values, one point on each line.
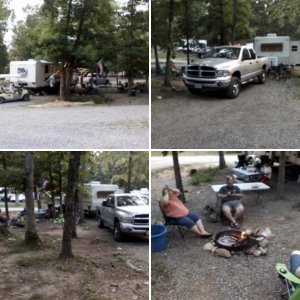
36	297
26	262
204	175
21	247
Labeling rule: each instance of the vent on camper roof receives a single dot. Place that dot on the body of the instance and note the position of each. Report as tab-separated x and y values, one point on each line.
271	34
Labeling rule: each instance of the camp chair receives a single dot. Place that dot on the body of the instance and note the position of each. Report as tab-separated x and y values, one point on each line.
292	282
171	221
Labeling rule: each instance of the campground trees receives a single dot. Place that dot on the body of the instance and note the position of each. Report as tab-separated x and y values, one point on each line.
4	15
79	33
31	237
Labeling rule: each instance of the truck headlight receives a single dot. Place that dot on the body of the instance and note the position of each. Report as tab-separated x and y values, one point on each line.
127	219
223	73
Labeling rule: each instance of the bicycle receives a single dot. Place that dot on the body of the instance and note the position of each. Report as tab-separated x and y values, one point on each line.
277	73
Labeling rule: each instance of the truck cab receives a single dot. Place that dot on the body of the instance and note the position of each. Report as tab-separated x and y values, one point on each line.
126	214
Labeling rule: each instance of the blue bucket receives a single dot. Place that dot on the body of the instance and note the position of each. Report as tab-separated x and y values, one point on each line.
158	238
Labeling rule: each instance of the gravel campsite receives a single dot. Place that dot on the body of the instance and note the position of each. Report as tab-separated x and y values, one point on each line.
184	270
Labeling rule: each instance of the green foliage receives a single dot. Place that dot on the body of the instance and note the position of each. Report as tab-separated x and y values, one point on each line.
96	99
60	220
204	175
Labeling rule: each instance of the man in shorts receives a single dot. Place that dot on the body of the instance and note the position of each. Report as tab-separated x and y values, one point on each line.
295	263
232	207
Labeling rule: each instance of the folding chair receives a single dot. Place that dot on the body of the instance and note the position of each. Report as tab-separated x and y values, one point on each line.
291	281
171	221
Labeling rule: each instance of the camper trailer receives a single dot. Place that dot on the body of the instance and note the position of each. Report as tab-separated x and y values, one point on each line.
34	74
96	194
279	49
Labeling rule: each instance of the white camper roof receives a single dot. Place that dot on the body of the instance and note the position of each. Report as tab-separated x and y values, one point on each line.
8	76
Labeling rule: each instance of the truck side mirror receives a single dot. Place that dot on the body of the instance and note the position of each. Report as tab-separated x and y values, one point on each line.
104	203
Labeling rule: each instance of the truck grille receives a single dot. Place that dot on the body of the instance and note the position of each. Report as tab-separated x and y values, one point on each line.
141	219
201	71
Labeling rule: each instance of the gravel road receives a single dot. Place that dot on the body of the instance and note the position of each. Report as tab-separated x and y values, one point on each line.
186	271
263	116
45	124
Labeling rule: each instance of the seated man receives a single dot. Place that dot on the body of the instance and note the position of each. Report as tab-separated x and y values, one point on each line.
174	208
295	263
231	205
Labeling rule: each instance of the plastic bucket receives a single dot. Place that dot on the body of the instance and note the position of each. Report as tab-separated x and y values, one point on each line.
158	238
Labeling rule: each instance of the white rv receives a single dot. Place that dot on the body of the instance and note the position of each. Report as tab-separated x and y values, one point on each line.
97	193
34	74
279	49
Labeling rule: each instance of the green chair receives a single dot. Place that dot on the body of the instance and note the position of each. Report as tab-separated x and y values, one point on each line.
291	281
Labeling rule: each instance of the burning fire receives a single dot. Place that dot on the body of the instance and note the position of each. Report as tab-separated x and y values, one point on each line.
243	235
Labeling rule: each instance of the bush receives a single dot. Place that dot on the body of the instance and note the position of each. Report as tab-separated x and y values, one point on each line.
204	175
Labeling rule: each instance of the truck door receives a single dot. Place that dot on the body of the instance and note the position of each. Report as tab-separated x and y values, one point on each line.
109	211
247	65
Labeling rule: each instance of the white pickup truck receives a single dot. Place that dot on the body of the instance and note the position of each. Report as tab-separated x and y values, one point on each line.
125	214
227	68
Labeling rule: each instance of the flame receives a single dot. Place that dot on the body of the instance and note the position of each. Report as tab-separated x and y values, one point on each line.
243	235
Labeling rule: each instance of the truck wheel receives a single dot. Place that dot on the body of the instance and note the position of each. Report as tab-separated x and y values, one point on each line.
1	100
26	97
234	89
118	235
100	222
262	77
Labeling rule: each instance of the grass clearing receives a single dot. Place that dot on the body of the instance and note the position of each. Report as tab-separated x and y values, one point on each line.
204	175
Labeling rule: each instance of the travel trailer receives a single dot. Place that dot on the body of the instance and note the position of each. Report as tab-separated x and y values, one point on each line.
279	49
34	74
96	194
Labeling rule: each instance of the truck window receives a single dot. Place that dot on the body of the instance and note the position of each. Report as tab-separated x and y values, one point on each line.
252	53
110	202
271	47
246	54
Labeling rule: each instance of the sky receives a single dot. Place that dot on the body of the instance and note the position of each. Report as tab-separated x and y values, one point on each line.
17	6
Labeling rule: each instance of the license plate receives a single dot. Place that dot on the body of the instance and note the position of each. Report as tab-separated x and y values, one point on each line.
198	86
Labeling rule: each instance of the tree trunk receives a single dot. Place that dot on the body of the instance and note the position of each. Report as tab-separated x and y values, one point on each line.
187	31
31	236
65	80
5	187
234	17
177	173
281	176
157	65
129	172
53	213
167	79
73	170
222	163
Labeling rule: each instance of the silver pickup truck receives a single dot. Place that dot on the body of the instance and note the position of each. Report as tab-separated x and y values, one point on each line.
125	214
227	68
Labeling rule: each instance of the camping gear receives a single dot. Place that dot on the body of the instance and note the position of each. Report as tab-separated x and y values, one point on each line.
158	238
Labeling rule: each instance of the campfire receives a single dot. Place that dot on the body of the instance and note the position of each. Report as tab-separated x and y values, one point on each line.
251	242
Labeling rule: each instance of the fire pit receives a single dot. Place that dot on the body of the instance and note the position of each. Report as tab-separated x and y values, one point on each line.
236	240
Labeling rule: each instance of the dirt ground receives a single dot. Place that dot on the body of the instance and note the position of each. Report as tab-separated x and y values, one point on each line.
102	269
262	117
185	271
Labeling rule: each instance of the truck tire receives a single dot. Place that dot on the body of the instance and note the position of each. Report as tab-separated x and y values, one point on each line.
234	89
26	97
262	77
2	100
118	235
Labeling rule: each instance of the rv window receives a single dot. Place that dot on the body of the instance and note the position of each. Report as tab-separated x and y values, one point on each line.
295	48
46	69
275	47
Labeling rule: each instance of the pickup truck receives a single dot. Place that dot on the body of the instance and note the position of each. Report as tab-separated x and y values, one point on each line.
126	214
227	68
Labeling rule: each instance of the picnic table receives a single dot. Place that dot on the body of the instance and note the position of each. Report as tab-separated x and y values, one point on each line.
257	187
247	175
